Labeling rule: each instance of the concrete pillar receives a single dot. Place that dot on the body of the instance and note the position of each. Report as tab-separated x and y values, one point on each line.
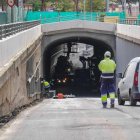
139	6
107	5
124	5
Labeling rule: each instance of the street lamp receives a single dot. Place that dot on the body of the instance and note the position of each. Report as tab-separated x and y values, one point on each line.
107	5
84	2
91	7
124	5
139	5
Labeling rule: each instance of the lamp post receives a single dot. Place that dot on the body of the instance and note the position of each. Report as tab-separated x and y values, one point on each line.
139	6
123	5
58	10
77	7
91	7
2	4
84	2
107	5
43	5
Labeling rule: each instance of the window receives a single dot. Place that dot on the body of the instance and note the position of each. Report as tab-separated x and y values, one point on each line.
130	69
124	75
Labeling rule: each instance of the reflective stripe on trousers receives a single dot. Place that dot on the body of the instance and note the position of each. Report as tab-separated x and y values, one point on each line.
107	87
107	75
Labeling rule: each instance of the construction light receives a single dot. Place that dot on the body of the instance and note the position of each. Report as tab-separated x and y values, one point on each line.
69	70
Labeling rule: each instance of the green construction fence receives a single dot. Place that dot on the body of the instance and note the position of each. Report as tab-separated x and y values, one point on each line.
50	17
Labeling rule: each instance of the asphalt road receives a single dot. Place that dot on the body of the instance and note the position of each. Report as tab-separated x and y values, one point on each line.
74	119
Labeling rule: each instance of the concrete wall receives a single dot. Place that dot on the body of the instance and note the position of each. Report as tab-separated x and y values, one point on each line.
15	44
127	45
17	53
14	80
125	51
109	39
91	25
131	32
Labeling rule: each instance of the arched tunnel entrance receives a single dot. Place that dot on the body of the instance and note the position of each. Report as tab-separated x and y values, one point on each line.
84	80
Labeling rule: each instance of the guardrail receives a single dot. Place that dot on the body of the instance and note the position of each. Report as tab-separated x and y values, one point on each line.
130	21
13	28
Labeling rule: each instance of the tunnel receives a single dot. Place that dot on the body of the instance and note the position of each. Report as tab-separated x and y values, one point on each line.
79	90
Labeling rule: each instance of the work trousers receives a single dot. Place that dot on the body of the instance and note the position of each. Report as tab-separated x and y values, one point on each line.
46	89
107	87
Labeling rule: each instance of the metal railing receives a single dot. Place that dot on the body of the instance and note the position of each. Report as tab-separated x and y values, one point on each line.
91	18
13	28
68	18
34	82
130	21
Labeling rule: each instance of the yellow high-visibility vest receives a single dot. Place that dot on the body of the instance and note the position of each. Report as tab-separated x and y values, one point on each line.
46	83
107	66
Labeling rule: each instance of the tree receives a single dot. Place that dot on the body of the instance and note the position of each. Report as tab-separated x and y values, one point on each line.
36	5
76	3
67	5
42	5
2	3
98	5
64	5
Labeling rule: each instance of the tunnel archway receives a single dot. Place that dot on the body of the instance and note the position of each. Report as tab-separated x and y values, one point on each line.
99	46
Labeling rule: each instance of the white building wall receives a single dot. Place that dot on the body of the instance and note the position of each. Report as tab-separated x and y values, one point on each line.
127	45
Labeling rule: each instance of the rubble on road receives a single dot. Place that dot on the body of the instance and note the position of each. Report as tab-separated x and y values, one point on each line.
65	96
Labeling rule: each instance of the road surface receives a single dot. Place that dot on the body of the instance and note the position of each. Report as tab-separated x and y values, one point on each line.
74	119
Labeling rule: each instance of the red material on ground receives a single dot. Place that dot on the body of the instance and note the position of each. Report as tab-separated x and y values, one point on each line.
60	95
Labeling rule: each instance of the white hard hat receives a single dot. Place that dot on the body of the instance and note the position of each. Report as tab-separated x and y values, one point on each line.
107	54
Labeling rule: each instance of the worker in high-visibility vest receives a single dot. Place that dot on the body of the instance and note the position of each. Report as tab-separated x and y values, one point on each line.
107	68
46	86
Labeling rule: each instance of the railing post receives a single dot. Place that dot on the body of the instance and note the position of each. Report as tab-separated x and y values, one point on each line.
0	32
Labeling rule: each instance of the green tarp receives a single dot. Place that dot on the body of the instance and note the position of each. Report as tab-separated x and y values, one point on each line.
3	18
49	17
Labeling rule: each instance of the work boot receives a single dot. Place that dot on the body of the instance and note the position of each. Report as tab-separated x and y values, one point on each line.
112	106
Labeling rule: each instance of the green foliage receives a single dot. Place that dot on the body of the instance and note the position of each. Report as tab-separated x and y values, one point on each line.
36	5
66	5
95	5
72	5
2	2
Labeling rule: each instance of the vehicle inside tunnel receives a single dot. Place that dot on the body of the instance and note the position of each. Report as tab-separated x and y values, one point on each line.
72	65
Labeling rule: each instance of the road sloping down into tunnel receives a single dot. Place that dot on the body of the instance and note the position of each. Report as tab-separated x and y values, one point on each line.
80	77
74	119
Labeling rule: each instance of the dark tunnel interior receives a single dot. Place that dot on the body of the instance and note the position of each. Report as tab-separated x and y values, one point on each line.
83	81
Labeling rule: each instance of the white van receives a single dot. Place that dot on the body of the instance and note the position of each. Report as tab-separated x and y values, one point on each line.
129	85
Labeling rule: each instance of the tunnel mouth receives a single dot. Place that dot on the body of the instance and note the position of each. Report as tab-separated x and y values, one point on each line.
82	85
